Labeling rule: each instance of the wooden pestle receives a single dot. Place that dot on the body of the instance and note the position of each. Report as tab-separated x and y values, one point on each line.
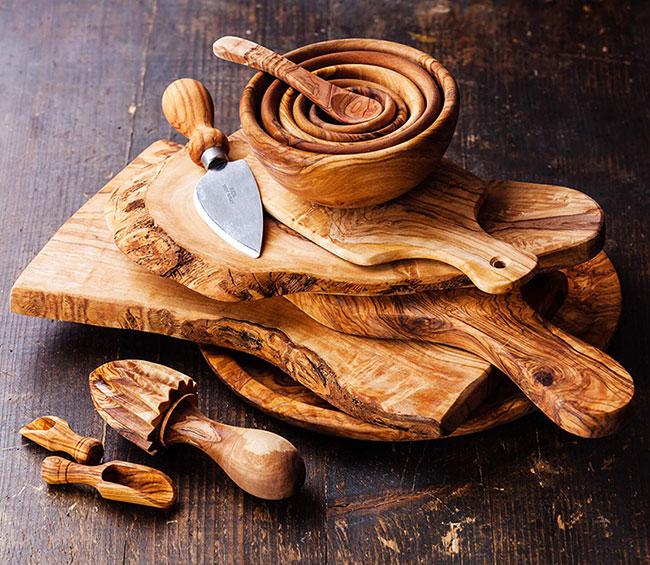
343	105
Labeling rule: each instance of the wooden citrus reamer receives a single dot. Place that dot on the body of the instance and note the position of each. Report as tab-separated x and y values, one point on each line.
154	406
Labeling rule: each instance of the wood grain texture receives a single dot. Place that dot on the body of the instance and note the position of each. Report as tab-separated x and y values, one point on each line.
156	225
55	434
590	311
155	406
342	105
81	276
580	388
114	480
541	99
367	172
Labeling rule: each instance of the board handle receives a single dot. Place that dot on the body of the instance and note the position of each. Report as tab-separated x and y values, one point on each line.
55	434
580	388
262	463
343	105
188	107
494	266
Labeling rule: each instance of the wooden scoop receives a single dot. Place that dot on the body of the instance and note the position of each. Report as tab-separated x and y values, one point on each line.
115	480
154	406
343	105
580	388
55	434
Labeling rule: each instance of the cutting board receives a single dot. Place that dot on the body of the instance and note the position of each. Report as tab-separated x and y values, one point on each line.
80	276
590	312
160	230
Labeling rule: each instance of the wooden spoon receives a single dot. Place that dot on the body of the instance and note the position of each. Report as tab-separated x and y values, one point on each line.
154	406
580	388
55	434
344	106
115	480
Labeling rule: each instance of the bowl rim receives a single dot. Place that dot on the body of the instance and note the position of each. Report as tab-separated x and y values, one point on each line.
447	117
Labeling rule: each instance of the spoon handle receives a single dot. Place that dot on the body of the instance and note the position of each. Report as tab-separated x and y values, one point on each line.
262	463
342	105
55	434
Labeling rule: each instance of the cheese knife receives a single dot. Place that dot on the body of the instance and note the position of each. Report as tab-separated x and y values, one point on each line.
227	197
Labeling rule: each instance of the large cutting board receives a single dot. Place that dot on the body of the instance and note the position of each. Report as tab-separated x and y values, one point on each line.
161	231
590	312
80	276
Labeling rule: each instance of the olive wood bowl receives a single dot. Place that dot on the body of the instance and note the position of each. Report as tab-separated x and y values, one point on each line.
350	166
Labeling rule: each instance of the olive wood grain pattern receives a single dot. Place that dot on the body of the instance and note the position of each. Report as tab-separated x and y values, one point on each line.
155	406
80	276
436	220
115	480
401	148
189	109
156	225
55	434
343	105
580	388
590	311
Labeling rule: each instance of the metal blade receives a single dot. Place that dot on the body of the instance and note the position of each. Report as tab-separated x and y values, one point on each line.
228	200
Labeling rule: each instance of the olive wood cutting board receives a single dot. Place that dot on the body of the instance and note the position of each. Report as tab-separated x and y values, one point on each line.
590	311
155	224
80	276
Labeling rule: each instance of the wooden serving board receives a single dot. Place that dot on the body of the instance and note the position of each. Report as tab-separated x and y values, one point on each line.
160	230
81	276
591	312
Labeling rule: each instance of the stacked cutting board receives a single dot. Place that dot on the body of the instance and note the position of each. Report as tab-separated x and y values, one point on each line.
396	296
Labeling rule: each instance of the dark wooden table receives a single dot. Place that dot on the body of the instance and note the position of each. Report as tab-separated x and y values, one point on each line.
551	91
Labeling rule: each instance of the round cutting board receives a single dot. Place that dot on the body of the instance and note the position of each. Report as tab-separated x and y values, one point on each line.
590	311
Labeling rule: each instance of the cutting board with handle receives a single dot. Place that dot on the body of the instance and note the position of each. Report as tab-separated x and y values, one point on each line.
436	220
577	386
156	225
80	276
591	312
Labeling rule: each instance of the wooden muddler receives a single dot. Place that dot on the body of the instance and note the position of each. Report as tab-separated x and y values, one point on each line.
55	434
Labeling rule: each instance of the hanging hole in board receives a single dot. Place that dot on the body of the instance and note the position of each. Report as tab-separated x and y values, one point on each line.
497	263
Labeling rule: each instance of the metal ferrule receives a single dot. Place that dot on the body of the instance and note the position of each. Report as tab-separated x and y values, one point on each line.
213	156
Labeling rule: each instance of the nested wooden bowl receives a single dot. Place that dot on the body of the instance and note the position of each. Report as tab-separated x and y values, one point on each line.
350	166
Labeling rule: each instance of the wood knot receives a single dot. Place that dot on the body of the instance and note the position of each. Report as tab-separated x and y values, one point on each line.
545	378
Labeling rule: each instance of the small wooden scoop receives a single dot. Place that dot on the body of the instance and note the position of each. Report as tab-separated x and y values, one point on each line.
55	434
115	480
580	388
154	406
343	105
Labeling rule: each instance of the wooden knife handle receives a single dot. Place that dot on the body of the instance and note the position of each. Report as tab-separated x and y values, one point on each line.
580	388
260	462
188	107
55	434
343	105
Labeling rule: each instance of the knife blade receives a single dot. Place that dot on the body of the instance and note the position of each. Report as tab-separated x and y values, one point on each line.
227	197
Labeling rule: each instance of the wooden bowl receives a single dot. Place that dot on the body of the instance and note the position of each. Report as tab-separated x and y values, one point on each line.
349	166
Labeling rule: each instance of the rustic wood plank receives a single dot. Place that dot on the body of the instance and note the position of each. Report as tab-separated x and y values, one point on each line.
551	91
